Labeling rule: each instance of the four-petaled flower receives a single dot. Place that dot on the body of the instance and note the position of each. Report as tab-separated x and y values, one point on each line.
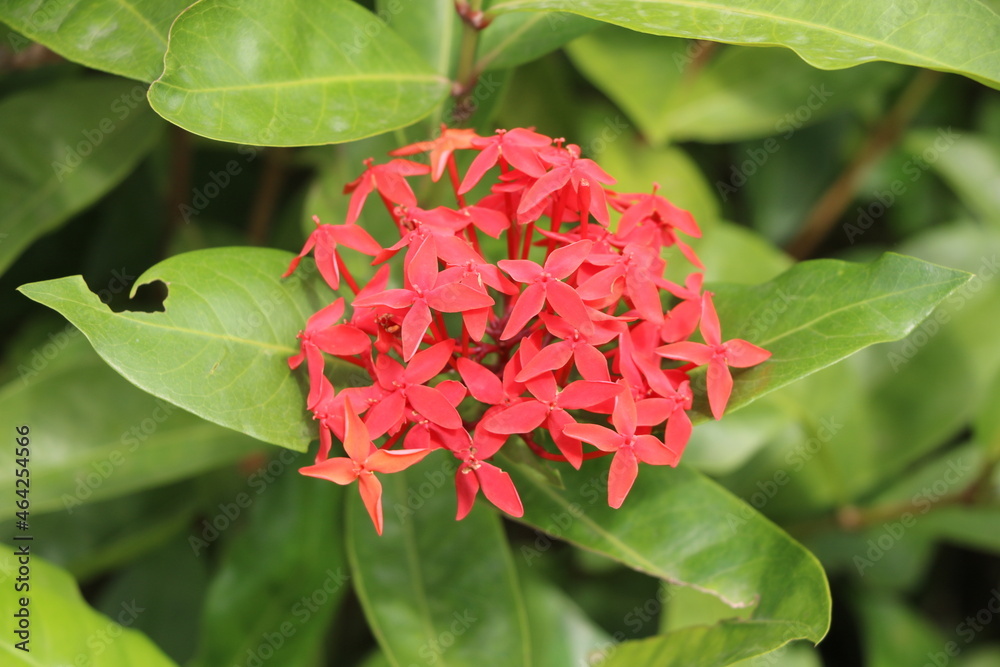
718	356
363	460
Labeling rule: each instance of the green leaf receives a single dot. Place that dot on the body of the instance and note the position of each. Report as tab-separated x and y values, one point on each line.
103	437
650	78
679	526
57	610
221	348
517	38
893	634
571	637
126	37
291	73
65	146
987	424
99	537
282	578
948	35
435	589
821	311
431	27
969	163
171	582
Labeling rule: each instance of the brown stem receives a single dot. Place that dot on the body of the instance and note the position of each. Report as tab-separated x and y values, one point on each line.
882	136
179	186
266	201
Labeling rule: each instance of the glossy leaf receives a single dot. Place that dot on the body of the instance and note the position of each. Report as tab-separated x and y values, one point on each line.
662	85
103	437
431	27
435	589
283	576
57	610
821	311
517	38
291	73
948	35
682	527
126	38
65	146
221	348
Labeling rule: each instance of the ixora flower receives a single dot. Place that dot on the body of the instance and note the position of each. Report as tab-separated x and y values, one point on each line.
558	330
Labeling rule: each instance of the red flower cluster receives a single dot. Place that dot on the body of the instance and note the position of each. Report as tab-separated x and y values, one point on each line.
565	334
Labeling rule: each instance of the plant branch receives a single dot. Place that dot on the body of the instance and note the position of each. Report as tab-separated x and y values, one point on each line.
266	200
880	139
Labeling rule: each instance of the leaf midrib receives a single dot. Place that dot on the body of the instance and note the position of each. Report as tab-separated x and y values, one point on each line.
322	80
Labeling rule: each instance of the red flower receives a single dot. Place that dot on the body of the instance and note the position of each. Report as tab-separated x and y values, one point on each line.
388	179
426	292
718	356
323	244
363	460
406	391
441	148
323	334
629	447
549	406
545	285
475	473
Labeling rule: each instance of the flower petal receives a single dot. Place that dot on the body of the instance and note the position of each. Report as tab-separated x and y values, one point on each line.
499	489
371	495
338	470
624	469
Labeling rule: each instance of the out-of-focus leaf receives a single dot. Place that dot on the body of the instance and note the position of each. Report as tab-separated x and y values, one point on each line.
65	146
948	35
64	630
282	578
679	526
987	423
517	38
791	655
570	637
827	310
291	73
126	38
170	582
99	537
726	99
103	437
969	164
435	589
221	347
893	634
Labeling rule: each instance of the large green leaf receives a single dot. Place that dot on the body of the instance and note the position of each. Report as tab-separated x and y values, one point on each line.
435	589
648	77
431	27
516	38
280	604
291	73
103	437
64	630
821	311
948	35
126	37
221	347
679	526
65	146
